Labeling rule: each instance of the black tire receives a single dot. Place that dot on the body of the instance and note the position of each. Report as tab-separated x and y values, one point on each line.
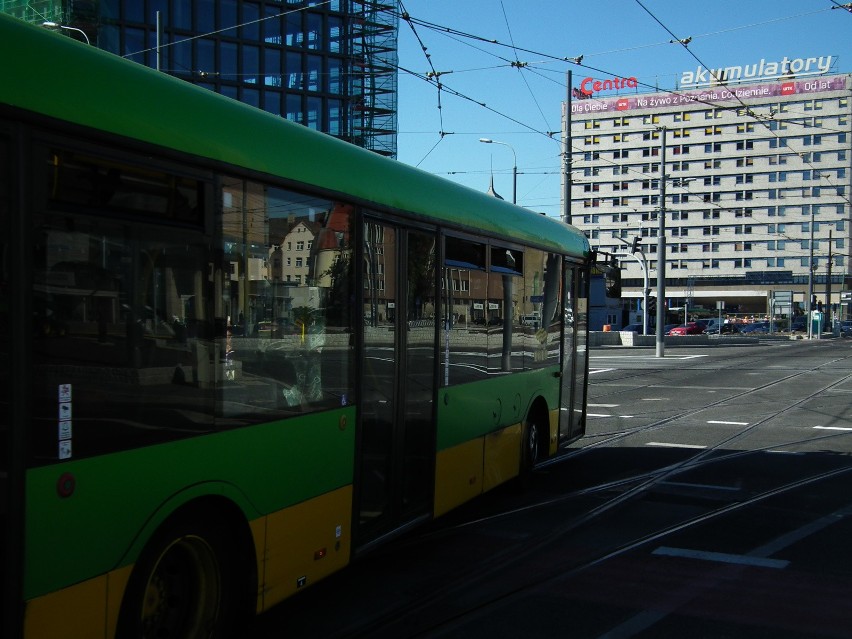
189	583
532	444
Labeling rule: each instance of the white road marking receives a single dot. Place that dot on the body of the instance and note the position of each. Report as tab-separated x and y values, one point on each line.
672	445
832	428
723	557
728	423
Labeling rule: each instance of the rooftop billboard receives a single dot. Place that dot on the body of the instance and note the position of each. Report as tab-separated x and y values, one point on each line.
653	101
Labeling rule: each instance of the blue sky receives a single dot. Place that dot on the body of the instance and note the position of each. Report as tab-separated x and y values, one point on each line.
617	38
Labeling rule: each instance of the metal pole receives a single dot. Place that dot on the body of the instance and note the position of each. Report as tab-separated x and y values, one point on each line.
643	262
158	40
809	305
566	156
828	281
661	251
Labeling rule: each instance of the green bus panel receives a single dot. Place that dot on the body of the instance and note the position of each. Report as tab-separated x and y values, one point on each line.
119	499
504	399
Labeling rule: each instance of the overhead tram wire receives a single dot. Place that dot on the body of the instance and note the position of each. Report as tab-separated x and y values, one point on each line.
564	59
515	49
404	15
436	75
685	43
223	29
456	32
521	65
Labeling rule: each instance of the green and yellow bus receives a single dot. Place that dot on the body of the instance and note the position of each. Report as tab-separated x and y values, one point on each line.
240	353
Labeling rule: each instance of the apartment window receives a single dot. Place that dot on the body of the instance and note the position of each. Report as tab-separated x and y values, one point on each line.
593	124
745	146
713	164
651	119
747	127
746	162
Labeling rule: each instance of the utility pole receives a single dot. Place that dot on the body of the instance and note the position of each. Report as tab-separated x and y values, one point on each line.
566	156
828	281
661	251
810	304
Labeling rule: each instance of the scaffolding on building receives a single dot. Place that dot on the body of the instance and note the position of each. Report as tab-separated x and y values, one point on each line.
373	76
35	11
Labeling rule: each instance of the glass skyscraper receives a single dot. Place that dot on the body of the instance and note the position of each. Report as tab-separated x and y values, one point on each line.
330	65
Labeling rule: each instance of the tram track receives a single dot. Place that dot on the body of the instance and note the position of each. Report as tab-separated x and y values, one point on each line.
628	489
565	570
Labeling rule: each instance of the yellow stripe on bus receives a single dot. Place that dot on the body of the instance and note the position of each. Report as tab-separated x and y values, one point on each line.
502	456
458	475
304	543
87	609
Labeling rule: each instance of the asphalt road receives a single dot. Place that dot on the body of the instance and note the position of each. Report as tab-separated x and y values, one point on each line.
710	497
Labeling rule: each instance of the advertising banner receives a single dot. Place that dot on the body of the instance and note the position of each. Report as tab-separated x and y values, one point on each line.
654	101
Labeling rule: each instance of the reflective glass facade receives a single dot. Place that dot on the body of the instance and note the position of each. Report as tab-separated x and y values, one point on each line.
330	66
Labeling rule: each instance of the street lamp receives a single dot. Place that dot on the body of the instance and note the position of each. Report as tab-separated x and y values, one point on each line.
514	167
56	25
643	262
811	269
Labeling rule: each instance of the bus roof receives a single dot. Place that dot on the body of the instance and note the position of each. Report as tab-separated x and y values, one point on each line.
54	75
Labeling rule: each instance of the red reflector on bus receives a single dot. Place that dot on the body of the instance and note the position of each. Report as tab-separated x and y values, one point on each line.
319	554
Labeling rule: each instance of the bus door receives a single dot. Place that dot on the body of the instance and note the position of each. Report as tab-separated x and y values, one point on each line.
575	361
396	459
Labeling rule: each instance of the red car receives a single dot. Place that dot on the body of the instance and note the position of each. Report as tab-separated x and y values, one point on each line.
690	328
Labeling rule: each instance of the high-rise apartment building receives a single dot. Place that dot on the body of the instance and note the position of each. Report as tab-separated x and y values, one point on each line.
330	65
753	180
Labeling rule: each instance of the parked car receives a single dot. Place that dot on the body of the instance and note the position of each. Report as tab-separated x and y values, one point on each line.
690	328
755	327
636	328
799	324
711	324
668	327
846	328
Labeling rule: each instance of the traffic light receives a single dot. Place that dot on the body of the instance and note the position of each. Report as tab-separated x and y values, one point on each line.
635	245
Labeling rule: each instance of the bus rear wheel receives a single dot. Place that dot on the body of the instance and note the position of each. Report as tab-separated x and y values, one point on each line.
183	586
532	443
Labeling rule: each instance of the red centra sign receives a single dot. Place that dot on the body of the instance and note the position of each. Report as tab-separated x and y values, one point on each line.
590	85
